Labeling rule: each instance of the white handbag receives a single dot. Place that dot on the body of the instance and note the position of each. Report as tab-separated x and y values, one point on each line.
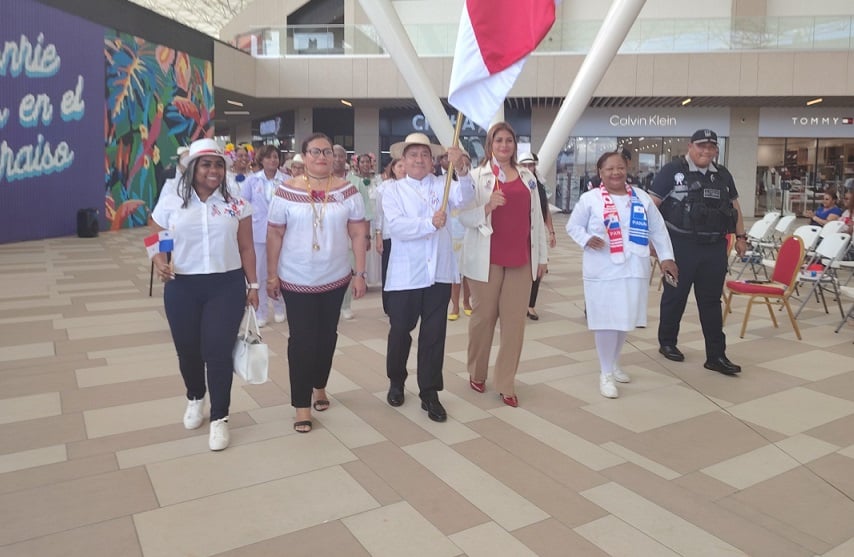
250	354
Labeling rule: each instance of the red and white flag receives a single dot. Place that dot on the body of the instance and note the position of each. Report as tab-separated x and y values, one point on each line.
494	39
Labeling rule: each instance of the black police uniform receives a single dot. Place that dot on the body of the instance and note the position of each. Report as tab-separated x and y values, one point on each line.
697	206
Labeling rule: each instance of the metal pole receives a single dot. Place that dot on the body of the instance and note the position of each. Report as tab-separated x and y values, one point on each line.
615	27
399	47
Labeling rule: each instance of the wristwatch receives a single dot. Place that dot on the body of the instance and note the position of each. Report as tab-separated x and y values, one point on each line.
363	274
253	286
741	236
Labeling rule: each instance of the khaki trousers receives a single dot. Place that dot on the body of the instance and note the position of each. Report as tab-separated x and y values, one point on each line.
504	297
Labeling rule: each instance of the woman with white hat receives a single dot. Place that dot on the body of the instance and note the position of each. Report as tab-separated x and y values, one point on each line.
206	281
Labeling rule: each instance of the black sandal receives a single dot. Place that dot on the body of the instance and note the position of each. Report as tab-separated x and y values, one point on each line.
303	423
321	405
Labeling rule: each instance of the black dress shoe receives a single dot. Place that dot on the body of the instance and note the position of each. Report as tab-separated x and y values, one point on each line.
672	353
395	396
435	410
721	364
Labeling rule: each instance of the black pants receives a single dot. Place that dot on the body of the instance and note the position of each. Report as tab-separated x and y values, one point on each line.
204	313
703	266
535	289
384	259
313	324
405	308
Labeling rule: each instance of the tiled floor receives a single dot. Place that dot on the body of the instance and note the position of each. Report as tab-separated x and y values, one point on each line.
94	459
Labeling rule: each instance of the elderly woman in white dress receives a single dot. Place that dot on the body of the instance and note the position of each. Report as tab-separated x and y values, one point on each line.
614	224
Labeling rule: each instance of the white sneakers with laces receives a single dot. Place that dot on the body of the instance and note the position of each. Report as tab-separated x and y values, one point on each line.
193	416
279	317
607	387
219	436
621	376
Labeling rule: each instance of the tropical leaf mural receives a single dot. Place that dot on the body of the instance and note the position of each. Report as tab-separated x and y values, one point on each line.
157	99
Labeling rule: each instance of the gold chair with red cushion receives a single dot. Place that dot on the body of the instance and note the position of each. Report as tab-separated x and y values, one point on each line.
780	287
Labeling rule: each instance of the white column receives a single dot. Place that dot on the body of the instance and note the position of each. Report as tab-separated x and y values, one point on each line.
615	27
303	125
399	47
366	123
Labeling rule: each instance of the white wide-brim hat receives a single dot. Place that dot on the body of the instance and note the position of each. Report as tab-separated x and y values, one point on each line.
296	159
206	148
416	138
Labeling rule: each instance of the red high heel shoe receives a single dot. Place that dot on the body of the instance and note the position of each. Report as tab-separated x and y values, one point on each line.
477	386
510	400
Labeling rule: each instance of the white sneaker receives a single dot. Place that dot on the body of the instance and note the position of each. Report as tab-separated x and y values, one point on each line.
219	437
607	387
279	317
621	376
347	313
193	415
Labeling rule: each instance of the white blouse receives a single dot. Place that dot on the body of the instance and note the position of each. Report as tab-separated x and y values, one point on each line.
301	267
205	234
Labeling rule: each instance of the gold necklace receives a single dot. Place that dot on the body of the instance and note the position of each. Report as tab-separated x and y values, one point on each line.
317	219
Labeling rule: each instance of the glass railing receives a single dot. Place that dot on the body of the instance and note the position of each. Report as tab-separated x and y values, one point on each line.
647	36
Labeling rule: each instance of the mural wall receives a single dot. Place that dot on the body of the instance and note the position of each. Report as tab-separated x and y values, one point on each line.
89	117
157	100
51	120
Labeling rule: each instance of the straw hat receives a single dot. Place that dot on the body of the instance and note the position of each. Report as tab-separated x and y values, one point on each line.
416	138
206	147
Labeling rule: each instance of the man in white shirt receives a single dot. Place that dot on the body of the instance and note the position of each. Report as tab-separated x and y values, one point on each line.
421	267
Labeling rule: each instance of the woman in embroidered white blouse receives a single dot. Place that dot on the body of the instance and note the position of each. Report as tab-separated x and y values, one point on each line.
614	225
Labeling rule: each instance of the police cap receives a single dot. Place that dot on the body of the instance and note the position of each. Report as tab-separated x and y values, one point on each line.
704	136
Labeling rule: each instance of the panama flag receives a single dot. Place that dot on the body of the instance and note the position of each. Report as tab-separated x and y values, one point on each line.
161	242
494	39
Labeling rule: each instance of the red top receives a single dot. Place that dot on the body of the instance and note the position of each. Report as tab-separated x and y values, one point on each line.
510	244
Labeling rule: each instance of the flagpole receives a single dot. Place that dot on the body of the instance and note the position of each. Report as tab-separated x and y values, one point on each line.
450	173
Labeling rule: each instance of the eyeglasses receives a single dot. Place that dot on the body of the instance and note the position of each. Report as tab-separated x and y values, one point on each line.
315	152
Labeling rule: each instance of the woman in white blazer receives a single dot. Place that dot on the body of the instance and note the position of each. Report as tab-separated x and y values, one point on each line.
505	249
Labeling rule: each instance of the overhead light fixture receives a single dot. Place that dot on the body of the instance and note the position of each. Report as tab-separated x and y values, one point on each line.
345	102
235	103
236	112
815	101
686	101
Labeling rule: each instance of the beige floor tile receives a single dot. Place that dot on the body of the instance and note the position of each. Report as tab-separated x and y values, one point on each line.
93	286
499	502
652	409
398	529
530	349
125	304
618	539
568	443
793	411
48	302
449	432
845	549
29	319
198	444
751	468
19	409
199	475
551	538
642	461
554	375
586	387
153	413
160	365
127	328
329	538
462	410
244	516
804	365
49	509
658	523
26	351
488	540
11	462
113	537
346	426
804	448
131	354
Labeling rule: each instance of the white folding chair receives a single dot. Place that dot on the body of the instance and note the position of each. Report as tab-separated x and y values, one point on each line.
847	291
780	231
760	232
832	248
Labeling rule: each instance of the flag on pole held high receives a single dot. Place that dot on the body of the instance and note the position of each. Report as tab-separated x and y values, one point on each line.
494	39
161	242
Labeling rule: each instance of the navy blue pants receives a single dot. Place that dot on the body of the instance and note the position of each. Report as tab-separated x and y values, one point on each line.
405	308
703	266
313	324
204	313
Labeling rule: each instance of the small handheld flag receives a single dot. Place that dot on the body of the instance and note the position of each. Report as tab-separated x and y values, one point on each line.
500	176
161	242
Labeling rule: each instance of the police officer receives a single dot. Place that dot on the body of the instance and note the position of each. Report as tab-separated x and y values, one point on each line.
699	202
